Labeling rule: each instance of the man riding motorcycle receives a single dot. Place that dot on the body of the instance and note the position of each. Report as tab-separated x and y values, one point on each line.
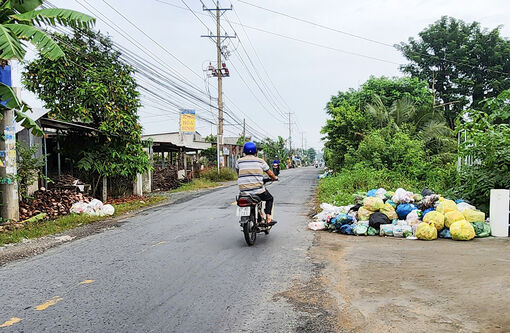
250	170
276	166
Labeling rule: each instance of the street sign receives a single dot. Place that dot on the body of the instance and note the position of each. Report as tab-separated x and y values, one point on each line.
187	122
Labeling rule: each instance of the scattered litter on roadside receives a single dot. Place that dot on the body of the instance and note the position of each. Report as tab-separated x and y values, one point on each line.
93	208
65	238
403	214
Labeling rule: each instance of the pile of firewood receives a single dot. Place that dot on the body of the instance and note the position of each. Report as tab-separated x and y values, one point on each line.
164	179
54	203
65	180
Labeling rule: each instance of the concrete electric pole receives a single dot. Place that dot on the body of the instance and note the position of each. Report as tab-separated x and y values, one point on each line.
220	71
290	135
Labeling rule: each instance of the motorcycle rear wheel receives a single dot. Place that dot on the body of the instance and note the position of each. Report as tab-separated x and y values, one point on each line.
249	234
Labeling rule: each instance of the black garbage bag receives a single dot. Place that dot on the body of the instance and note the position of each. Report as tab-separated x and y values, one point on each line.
426	192
378	218
427	202
355	208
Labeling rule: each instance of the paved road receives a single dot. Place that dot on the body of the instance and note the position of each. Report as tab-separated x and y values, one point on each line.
179	268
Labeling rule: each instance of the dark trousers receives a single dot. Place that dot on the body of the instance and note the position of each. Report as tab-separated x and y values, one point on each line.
268	198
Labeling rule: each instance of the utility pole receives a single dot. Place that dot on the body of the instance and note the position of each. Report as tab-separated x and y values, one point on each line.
244	128
290	135
220	71
8	169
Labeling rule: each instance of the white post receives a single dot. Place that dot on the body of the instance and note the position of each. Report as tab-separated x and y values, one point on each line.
499	212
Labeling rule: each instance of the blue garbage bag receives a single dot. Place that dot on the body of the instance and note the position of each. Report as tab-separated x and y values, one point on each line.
404	209
458	201
371	193
426	211
342	219
346	229
391	203
445	233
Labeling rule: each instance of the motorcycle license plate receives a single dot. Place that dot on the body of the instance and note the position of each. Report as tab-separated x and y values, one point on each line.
243	211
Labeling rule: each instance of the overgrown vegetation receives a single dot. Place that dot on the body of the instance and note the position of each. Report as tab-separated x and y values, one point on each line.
396	132
28	167
224	175
195	184
273	148
486	149
94	86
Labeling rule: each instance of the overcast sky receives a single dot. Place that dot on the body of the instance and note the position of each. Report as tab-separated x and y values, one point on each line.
304	75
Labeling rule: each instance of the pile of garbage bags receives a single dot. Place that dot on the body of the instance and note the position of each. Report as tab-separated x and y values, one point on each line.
404	214
93	208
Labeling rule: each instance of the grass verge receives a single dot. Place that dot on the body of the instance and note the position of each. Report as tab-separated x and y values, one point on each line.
63	223
340	188
196	184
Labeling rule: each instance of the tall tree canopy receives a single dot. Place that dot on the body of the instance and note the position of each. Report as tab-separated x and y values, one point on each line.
19	22
350	119
92	85
464	62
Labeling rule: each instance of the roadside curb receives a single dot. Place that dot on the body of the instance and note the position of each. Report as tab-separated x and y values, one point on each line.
36	246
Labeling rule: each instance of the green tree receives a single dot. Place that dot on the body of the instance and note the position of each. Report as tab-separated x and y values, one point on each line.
487	145
350	119
28	167
428	123
274	148
311	154
210	138
20	22
464	62
92	85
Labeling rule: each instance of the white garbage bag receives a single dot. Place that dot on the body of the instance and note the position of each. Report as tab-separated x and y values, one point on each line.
109	210
78	207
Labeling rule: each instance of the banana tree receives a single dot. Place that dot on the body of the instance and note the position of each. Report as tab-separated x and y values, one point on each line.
20	22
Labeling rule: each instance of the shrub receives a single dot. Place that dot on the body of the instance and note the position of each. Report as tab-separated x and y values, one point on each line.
339	188
225	174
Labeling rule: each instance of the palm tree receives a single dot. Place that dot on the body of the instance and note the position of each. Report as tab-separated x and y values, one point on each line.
430	124
20	21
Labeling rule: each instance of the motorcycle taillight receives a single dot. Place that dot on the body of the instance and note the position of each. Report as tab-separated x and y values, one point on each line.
243	202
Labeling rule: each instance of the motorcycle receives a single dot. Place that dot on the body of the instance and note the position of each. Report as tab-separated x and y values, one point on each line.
250	209
276	169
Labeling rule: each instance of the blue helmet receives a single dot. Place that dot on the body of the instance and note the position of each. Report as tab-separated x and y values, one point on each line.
250	148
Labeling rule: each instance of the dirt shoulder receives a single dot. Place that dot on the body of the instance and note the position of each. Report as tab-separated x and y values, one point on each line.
31	247
397	285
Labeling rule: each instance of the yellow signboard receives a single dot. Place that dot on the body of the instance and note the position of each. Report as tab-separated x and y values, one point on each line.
187	121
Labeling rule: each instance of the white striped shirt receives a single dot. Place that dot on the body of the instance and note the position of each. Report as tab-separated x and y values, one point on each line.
251	174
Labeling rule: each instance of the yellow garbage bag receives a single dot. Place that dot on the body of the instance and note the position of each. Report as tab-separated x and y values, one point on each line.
426	231
446	206
364	214
462	230
389	211
373	204
472	215
434	218
451	217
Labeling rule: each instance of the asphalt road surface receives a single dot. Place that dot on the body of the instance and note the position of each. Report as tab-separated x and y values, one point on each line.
179	268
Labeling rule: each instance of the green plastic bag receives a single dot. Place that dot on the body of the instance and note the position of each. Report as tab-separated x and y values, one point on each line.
481	229
372	232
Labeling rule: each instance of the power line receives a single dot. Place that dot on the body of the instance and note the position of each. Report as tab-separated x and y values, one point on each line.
123	16
261	63
137	44
393	46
